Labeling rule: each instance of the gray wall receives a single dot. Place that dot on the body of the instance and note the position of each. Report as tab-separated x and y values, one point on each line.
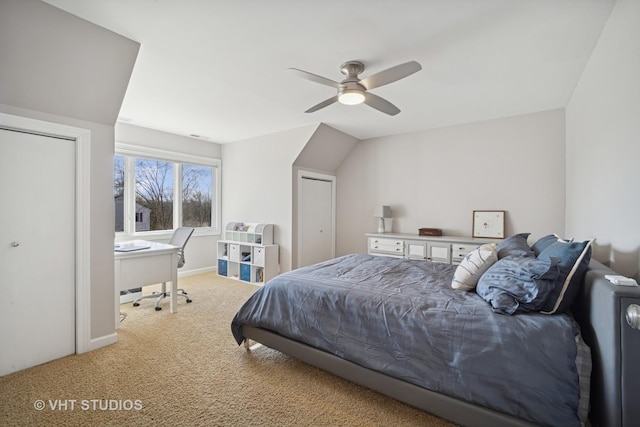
59	68
436	178
603	145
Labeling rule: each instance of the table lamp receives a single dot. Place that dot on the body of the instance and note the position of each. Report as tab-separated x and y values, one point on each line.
382	212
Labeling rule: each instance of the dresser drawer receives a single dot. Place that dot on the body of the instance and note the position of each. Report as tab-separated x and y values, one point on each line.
460	250
386	246
444	249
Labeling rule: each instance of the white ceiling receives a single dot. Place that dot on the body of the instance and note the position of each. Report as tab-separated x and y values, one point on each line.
218	68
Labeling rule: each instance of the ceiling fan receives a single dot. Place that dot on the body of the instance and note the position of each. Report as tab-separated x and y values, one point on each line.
352	90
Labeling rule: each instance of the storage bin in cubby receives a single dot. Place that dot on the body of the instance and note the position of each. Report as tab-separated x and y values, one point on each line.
222	267
245	272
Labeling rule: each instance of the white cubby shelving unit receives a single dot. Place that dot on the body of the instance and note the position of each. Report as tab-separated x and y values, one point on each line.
246	252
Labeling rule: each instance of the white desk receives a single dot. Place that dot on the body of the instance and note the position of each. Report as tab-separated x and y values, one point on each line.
157	264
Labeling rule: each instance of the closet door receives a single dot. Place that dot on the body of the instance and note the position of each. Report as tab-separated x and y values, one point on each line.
316	221
37	255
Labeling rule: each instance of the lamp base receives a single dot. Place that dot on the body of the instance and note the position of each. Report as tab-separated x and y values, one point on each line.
381	226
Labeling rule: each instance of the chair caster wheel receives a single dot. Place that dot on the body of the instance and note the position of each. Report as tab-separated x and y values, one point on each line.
158	308
136	304
188	301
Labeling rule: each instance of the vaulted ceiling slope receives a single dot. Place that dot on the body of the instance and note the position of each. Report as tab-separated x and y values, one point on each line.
218	68
44	68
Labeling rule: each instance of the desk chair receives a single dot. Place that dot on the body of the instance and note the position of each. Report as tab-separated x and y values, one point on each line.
180	238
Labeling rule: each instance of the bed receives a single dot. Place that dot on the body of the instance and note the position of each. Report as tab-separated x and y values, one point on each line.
398	326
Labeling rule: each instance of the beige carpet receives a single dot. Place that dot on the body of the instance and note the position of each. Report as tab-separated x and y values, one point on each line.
186	370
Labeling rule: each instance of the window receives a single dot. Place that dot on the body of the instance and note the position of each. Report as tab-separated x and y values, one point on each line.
154	193
196	195
157	191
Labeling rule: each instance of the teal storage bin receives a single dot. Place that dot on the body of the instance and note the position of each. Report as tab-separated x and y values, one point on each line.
245	272
222	267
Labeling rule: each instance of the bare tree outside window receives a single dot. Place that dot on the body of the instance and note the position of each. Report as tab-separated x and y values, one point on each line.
118	191
196	195
154	197
154	191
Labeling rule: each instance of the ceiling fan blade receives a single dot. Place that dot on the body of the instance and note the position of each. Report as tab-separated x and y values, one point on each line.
315	78
380	104
323	104
391	75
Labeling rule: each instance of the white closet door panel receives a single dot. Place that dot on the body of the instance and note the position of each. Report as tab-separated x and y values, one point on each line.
37	249
316	221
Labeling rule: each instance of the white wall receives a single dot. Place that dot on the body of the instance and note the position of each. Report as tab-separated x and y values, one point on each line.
603	144
257	183
436	178
201	251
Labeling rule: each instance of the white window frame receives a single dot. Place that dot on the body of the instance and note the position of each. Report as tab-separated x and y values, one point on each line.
130	153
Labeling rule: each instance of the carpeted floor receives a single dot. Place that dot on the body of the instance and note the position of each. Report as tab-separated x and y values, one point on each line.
186	370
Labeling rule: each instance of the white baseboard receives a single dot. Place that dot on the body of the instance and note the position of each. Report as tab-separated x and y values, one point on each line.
196	271
96	343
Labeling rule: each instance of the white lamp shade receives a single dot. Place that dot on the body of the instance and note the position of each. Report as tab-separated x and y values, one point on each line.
382	212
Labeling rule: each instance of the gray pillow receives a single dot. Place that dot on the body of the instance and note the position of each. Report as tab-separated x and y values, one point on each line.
518	284
515	246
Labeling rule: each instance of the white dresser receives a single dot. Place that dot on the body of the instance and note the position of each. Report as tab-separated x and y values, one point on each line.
447	249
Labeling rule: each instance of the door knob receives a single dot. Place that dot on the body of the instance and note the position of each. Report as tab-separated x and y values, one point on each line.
633	316
15	244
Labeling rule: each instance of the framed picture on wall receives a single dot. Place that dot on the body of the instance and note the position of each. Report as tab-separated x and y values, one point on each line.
488	224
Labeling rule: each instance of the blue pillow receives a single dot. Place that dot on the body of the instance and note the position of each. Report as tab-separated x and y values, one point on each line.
546	241
573	259
515	246
518	284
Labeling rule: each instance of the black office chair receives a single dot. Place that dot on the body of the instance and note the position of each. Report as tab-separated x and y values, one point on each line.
180	238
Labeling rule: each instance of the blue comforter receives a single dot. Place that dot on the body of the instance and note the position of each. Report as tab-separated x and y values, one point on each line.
402	318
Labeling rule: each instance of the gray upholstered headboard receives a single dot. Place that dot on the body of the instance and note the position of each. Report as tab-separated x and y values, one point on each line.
615	346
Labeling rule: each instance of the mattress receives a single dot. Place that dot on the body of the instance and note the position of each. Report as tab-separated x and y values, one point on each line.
402	318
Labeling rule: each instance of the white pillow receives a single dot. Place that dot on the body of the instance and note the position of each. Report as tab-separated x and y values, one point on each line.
473	266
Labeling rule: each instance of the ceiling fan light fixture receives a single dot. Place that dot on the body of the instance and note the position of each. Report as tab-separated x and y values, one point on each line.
351	97
353	91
